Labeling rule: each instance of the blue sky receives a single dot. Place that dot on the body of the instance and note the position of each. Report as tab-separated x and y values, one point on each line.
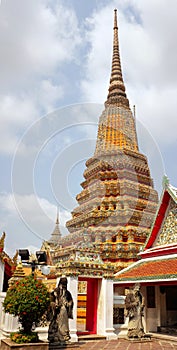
55	67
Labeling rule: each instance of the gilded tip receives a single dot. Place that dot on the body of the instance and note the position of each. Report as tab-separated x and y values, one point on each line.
57	219
115	18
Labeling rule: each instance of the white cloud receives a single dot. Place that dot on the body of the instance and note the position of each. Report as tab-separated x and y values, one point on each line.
158	113
97	64
48	94
16	113
36	40
28	219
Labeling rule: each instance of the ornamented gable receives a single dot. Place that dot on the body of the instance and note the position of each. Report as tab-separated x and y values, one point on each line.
164	229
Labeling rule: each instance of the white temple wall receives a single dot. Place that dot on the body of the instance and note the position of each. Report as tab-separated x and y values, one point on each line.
1	275
119	306
73	288
8	323
105	309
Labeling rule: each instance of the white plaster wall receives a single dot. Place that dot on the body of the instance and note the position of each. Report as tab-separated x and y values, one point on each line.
100	309
119	300
151	320
73	288
2	314
8	323
105	309
1	275
144	317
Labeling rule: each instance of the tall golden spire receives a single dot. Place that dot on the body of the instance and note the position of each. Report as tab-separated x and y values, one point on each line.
117	95
117	203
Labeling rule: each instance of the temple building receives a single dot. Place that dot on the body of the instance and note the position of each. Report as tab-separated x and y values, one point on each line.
111	225
156	271
117	204
112	221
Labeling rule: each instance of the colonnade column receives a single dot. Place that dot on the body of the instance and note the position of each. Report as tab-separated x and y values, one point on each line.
105	309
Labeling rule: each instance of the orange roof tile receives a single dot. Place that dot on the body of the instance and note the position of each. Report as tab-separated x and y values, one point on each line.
157	269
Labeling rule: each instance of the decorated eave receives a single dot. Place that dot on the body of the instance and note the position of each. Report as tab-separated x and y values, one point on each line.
154	270
9	264
85	269
82	261
159	251
168	192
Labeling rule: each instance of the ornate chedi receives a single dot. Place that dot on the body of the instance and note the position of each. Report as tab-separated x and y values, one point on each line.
55	237
56	234
118	202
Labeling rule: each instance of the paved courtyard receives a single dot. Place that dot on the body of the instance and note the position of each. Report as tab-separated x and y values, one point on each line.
166	343
122	344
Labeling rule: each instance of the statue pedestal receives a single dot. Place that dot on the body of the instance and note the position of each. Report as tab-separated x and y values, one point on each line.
57	346
146	338
7	344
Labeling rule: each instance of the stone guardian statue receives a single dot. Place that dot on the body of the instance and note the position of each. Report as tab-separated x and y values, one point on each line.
134	303
61	309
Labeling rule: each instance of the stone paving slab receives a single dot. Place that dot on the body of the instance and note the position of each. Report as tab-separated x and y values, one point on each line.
122	344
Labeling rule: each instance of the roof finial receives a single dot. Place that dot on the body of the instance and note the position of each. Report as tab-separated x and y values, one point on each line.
2	240
116	95
165	181
134	111
115	18
57	220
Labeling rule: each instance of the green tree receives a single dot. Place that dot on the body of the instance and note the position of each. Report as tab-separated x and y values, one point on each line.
28	299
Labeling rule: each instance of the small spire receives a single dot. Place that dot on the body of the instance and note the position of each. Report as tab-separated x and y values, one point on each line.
117	95
134	111
57	220
56	234
17	275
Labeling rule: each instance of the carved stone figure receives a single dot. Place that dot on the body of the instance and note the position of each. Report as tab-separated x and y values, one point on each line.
134	303
61	309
